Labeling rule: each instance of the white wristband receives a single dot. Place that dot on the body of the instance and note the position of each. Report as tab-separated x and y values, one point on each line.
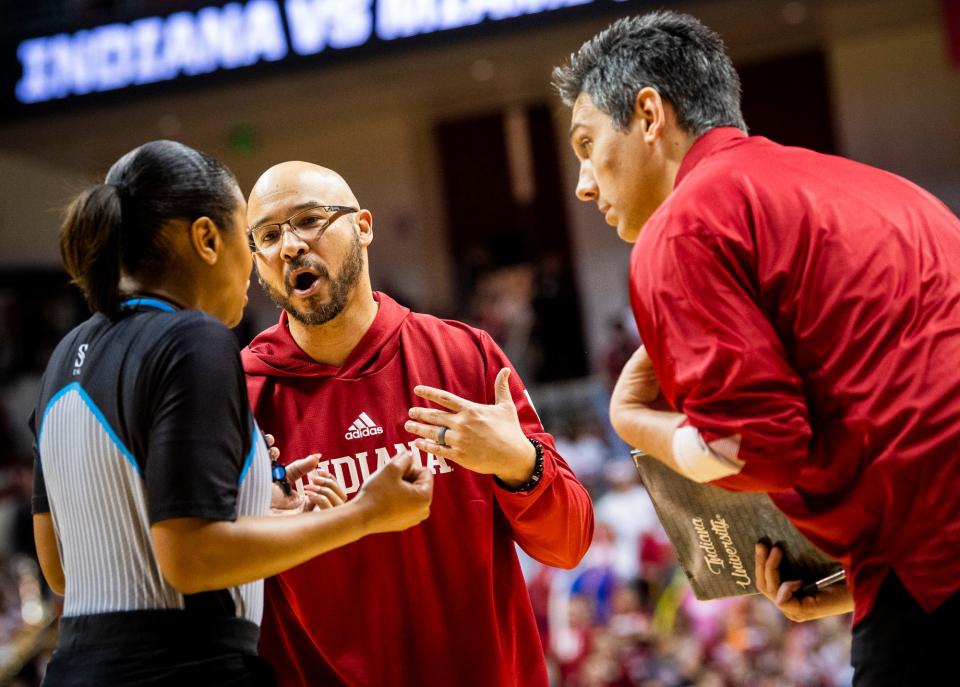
705	463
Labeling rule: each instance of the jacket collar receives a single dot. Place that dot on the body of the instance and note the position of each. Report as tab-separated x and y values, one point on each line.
713	141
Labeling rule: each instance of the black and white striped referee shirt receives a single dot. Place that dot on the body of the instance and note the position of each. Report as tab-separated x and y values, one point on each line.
144	417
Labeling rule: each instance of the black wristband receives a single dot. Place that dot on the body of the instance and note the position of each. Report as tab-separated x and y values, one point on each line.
534	478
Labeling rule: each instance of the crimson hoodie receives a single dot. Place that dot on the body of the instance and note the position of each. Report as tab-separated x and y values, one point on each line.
443	603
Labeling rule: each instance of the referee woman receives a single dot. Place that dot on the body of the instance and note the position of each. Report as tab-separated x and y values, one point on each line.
152	483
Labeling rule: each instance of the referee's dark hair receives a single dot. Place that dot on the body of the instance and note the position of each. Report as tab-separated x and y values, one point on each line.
672	53
118	225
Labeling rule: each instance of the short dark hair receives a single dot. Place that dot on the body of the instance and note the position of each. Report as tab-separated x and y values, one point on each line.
118	225
673	53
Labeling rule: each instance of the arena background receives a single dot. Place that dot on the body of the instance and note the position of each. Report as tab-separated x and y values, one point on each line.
440	115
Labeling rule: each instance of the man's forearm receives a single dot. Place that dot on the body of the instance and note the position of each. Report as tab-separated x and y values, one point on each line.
636	415
681	448
648	430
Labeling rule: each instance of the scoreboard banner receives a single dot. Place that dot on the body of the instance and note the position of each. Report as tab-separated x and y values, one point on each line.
124	56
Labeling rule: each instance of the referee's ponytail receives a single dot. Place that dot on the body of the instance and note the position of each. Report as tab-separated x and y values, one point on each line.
90	246
118	227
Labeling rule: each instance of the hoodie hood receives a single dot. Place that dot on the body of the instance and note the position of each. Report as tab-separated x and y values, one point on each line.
274	353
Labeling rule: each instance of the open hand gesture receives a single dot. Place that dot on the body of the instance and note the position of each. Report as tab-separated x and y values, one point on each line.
487	439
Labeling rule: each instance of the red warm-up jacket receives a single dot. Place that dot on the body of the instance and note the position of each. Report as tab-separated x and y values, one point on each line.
808	307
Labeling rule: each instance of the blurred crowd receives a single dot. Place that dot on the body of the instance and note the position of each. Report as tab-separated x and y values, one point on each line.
36	310
27	607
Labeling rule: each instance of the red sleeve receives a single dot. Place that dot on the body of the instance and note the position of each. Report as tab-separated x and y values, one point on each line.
720	360
553	522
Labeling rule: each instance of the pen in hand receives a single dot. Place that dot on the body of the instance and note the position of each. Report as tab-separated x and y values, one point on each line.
813	587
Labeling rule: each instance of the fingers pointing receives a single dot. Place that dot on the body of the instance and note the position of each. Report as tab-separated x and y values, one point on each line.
441	397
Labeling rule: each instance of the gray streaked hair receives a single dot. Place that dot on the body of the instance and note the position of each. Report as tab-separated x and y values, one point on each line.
673	53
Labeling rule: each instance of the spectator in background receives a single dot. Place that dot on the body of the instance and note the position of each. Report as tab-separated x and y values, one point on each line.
620	344
628	511
556	332
586	452
502	307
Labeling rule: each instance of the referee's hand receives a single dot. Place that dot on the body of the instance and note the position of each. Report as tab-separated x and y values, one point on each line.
321	491
396	496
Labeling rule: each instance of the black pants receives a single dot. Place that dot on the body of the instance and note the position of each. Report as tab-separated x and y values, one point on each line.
104	668
159	649
899	645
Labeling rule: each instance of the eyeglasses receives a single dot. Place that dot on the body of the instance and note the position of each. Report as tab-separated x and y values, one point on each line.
307	224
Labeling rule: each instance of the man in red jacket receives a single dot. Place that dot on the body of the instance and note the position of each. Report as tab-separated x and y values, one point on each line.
351	374
801	317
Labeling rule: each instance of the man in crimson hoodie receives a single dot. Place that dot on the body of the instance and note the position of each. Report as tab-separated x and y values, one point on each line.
353	375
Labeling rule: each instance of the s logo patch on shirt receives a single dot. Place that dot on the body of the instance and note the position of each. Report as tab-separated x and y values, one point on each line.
81	356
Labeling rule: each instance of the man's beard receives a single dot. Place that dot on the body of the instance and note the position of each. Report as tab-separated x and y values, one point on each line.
316	311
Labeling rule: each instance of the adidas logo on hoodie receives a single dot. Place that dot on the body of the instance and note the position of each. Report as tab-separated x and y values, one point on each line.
363	426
